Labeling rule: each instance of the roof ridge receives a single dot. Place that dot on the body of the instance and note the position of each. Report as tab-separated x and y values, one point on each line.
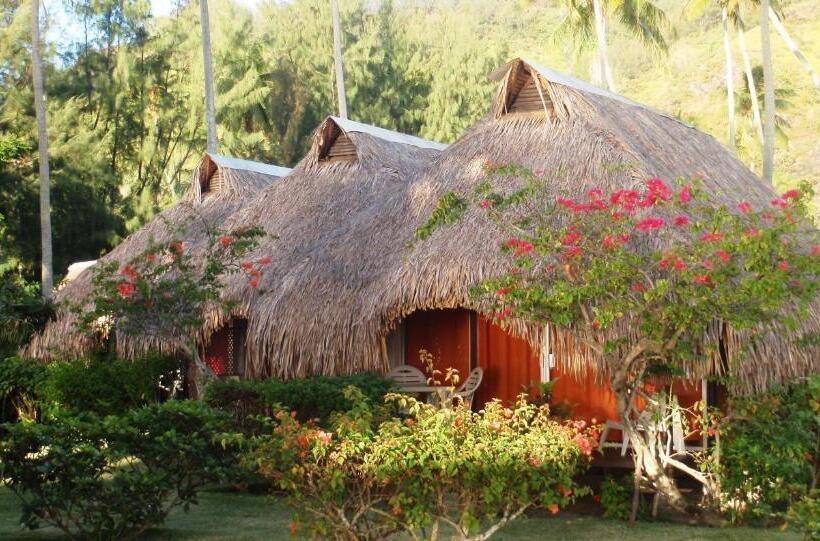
249	165
347	125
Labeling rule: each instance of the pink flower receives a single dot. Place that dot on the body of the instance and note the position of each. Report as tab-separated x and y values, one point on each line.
501	314
791	194
583	443
246	265
751	232
595	193
658	188
572	251
265	260
702	279
779	202
681	220
783	265
609	241
744	206
502	291
523	248
484	203
596	324
637	287
324	437
564	202
685	195
649	387
815	249
177	247
709	237
128	270
570	238
707	264
616	215
225	240
653	222
125	289
723	255
254	282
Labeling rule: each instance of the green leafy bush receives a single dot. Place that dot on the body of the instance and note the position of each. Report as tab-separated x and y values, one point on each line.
769	450
616	498
804	515
19	383
111	478
311	398
371	478
107	386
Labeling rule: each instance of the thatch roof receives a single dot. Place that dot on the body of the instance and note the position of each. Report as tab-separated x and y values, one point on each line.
333	216
578	137
219	186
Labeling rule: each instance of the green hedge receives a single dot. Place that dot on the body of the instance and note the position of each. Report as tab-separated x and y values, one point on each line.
311	398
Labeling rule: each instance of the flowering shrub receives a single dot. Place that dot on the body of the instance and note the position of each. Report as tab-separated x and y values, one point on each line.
162	293
639	275
439	468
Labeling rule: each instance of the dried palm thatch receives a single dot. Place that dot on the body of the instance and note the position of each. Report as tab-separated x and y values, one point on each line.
333	217
577	137
219	186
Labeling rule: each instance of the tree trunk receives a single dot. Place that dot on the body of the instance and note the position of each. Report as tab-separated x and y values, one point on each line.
47	273
644	453
600	36
790	43
750	81
768	93
337	58
210	107
730	80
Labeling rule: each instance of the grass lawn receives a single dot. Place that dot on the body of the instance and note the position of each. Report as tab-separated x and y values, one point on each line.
222	516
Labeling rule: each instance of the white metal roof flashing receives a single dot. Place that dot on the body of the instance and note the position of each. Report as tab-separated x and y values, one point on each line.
348	125
248	165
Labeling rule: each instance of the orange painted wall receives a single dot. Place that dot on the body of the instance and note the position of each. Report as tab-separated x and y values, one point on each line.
590	399
445	334
508	362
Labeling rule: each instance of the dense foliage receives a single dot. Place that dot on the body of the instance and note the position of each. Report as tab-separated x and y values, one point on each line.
437	469
639	276
314	398
770	450
20	385
113	477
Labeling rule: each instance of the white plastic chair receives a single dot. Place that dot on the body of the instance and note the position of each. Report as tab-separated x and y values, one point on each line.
407	376
467	389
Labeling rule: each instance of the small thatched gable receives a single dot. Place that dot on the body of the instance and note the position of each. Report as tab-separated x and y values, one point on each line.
219	186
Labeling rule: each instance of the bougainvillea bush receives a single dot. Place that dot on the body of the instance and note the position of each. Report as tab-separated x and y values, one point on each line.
640	275
161	295
438	472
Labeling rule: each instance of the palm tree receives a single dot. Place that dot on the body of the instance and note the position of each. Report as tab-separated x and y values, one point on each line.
337	58
210	108
47	273
790	43
586	18
730	77
768	93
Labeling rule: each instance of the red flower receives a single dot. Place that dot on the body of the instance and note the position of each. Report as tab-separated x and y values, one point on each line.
815	249
723	255
565	492
708	237
596	324
685	194
595	193
681	220
791	194
564	202
616	215
702	279
151	257
484	203
125	289
583	443
751	232
177	247
246	265
658	189
225	240
637	287
128	270
653	222
766	215
664	263
783	265
523	248
265	260
501	314
678	264
780	202
596	498
711	431
649	387
572	251
553	508
502	291
254	282
293	527
744	207
609	241
570	238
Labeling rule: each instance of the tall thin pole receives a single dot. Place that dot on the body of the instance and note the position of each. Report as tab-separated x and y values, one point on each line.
768	93
337	58
730	80
210	108
47	272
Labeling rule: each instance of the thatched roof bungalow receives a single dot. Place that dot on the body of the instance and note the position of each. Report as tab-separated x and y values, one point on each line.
578	137
317	309
220	185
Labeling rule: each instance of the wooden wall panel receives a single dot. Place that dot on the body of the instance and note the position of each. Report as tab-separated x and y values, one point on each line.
508	363
444	333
